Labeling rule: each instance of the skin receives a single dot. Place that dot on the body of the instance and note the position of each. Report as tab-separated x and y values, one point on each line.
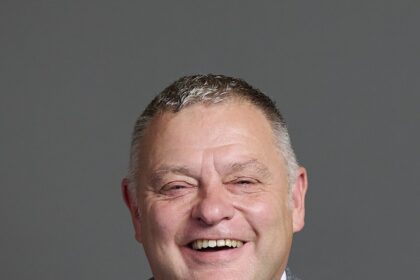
214	172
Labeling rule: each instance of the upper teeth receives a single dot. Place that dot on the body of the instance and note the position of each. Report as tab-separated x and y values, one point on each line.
204	243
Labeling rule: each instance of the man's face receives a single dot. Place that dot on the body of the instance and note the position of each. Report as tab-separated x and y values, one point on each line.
212	176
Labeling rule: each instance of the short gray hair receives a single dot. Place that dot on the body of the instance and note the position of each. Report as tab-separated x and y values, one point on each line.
212	89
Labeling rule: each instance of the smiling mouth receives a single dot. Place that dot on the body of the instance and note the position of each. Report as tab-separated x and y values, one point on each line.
210	245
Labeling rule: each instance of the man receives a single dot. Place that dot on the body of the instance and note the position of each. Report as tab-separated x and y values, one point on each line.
214	188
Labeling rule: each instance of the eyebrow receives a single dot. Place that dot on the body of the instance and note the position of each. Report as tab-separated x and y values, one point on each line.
252	164
157	175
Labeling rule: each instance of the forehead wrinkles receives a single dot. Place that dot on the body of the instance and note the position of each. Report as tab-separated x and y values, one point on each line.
226	160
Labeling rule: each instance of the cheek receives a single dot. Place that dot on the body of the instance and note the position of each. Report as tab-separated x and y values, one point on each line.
164	221
268	214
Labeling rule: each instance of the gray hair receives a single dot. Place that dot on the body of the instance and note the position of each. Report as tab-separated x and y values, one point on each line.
212	89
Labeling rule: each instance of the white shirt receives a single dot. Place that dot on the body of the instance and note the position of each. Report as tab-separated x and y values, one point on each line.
283	277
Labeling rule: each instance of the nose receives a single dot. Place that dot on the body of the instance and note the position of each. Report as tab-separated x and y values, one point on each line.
214	206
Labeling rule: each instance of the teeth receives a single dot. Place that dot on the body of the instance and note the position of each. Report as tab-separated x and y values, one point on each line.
212	243
206	243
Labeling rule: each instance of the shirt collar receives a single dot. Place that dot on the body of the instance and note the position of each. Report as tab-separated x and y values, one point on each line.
283	277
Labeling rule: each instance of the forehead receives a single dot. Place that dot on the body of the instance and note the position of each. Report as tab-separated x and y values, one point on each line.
202	123
226	129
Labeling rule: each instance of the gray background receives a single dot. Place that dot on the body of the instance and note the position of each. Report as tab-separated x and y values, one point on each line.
75	74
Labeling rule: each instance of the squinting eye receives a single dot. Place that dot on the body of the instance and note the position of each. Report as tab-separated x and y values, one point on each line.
245	185
172	187
175	188
244	181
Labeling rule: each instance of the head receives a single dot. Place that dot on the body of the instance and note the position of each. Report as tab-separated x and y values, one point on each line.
214	187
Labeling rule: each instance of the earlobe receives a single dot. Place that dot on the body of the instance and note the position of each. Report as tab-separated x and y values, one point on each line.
130	200
298	199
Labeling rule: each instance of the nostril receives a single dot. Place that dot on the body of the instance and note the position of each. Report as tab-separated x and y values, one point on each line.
213	208
213	216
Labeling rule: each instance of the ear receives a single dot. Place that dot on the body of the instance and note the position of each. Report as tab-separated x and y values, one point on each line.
130	200
298	200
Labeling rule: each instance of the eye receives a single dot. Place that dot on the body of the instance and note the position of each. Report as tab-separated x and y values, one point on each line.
175	188
169	187
247	185
244	181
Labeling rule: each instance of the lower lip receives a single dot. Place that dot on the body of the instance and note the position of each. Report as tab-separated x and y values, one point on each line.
213	257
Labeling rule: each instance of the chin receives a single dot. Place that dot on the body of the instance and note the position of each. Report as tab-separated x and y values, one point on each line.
213	274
